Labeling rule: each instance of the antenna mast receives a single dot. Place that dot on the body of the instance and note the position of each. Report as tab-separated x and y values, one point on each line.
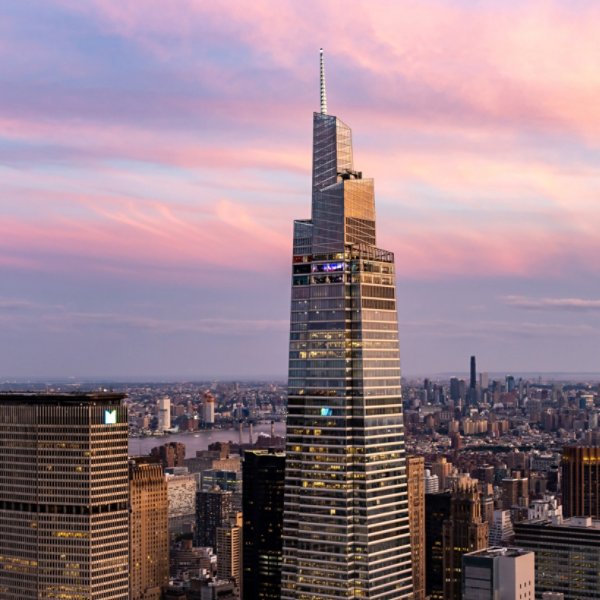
323	91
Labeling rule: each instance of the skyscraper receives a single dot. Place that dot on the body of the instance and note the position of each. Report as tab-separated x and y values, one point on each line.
64	492
415	471
263	473
473	377
463	532
212	509
229	549
164	414
346	532
148	529
437	510
473	395
580	466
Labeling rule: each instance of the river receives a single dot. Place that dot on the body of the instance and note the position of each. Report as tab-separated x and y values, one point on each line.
201	439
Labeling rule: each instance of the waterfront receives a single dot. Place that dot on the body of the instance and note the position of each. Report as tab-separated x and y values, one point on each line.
201	439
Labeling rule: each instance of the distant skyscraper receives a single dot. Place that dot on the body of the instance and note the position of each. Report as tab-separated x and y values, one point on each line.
346	532
164	414
149	530
64	497
473	378
263	477
416	515
463	532
499	574
454	389
472	394
580	467
208	410
484	380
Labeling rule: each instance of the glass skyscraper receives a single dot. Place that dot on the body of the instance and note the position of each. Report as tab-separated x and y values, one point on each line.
346	531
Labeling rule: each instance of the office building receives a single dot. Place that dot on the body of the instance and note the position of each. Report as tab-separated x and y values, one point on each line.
263	480
415	472
437	511
148	530
499	574
567	555
463	532
229	549
580	467
64	495
346	531
212	509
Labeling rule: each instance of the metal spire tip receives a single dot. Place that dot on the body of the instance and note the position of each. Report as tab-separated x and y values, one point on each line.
323	90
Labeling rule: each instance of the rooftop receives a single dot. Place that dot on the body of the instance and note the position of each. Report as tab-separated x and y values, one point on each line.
495	551
78	398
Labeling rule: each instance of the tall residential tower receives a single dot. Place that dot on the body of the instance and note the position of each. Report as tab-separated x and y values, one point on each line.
346	531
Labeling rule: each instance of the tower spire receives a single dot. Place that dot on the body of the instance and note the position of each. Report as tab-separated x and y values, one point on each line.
323	91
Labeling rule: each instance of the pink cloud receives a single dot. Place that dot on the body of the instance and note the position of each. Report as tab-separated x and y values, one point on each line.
131	236
532	63
447	92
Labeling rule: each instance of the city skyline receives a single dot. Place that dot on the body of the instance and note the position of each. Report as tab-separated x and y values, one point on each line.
152	160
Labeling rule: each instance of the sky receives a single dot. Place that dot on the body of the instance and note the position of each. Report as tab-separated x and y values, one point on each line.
154	154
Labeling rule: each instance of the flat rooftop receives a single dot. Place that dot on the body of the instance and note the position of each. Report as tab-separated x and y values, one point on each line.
494	551
36	398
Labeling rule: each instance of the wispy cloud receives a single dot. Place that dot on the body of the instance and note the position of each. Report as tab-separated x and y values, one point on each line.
559	304
25	314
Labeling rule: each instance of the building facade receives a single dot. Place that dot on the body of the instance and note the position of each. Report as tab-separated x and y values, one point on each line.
64	495
437	511
463	532
148	530
263	480
580	466
499	574
567	555
415	471
212	509
229	550
346	531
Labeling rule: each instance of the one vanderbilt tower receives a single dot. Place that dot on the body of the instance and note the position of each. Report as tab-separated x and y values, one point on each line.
346	531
